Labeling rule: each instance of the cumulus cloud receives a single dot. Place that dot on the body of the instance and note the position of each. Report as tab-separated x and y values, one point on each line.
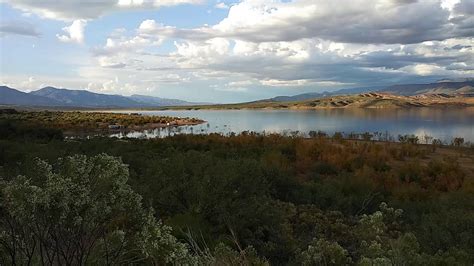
74	32
203	50
360	21
79	11
123	49
279	44
424	69
317	43
118	45
303	63
301	82
18	28
221	5
151	28
24	82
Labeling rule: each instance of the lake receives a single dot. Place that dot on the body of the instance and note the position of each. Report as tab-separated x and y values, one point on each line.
440	123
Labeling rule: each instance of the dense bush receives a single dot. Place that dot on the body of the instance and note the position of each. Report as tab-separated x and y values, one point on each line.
82	212
16	130
290	200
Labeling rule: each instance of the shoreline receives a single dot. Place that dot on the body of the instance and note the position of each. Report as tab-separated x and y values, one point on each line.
106	131
83	122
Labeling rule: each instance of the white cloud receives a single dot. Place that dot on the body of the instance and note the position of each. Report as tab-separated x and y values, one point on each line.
344	21
74	32
79	11
191	54
301	82
240	65
284	83
282	45
354	21
221	5
449	4
119	45
423	69
239	83
30	83
114	85
234	86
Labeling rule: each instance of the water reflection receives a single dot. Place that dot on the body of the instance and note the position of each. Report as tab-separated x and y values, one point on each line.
438	123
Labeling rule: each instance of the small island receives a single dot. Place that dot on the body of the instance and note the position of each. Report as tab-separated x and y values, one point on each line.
73	122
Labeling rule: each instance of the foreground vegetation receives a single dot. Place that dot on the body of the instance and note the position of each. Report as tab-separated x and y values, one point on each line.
246	199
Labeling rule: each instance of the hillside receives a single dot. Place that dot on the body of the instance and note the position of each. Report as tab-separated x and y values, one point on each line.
9	96
83	98
54	97
158	101
383	100
447	87
363	100
439	87
312	95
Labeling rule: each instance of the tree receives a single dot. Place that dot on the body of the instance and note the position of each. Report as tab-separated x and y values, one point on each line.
458	142
437	142
382	242
226	256
82	212
338	136
427	138
411	139
323	252
367	136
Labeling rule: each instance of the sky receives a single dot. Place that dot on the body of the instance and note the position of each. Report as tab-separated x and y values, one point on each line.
232	51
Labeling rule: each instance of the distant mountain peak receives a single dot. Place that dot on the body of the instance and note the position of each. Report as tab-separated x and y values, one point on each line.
10	96
50	88
52	96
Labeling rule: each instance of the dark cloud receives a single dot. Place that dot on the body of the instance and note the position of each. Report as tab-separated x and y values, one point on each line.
458	47
69	10
395	60
464	8
18	28
387	64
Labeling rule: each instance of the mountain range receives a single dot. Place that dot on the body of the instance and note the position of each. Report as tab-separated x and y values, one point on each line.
54	97
446	87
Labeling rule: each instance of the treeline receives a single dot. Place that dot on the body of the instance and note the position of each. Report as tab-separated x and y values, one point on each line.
375	136
254	199
11	129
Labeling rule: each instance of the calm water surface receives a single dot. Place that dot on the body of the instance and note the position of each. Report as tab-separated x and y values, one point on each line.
438	123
